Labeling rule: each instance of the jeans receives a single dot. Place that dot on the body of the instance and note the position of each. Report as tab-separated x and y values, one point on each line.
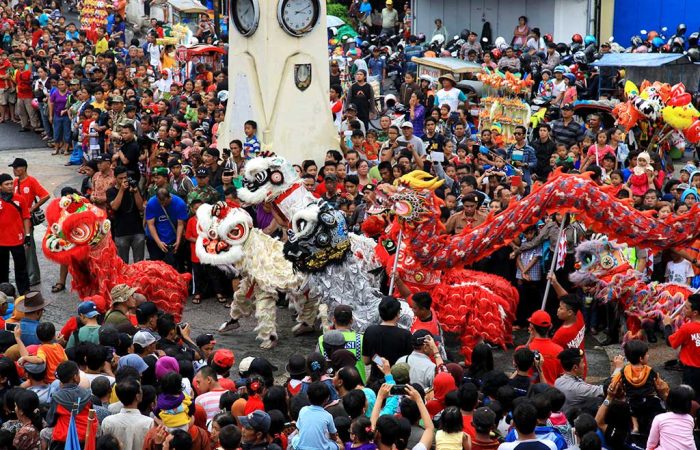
156	254
44	115
21	277
61	129
135	242
33	270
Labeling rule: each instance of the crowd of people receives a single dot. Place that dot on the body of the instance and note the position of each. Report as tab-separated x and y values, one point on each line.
143	134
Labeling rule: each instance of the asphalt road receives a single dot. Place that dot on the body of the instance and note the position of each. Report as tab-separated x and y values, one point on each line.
206	317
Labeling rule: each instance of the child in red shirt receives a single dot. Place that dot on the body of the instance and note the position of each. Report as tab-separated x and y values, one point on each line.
191	236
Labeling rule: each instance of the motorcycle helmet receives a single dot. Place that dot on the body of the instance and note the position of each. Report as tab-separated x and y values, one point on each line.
657	42
390	100
641	49
681	29
636	41
501	43
651	35
694	54
464	34
580	58
589	39
561	69
577	38
496	53
421	38
371	48
364	45
562	48
548	38
571	77
693	39
445	53
438	39
666	48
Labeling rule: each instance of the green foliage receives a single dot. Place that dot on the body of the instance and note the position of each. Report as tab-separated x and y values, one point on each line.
338	10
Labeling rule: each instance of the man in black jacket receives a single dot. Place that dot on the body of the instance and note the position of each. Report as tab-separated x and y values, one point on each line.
544	149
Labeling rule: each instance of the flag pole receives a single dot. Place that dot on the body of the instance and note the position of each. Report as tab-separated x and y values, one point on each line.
396	262
554	261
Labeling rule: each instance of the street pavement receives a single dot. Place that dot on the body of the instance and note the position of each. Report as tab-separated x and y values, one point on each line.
206	317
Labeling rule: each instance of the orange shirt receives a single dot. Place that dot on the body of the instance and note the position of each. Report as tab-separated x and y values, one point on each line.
53	355
687	337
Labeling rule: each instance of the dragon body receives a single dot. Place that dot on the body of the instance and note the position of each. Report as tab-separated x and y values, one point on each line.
78	235
605	271
228	240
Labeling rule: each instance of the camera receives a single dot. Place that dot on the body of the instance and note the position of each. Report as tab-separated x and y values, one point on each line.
398	389
132	183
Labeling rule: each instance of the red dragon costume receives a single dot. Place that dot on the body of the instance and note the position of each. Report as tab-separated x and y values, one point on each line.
78	236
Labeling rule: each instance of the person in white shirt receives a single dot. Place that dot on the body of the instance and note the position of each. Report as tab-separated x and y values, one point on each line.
679	270
129	426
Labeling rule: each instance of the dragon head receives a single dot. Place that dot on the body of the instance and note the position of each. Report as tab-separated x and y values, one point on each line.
595	259
318	237
412	197
222	232
265	179
74	226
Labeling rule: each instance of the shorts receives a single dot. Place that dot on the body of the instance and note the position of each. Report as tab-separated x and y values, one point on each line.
4	97
12	96
61	129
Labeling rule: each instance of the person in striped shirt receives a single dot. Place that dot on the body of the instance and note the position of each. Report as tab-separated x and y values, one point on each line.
209	391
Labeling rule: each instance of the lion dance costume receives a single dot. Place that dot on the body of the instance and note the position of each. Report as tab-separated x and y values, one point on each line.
228	240
78	236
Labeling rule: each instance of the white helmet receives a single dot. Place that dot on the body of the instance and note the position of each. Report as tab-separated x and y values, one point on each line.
501	43
438	39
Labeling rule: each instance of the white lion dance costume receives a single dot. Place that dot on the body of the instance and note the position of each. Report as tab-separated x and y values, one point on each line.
228	240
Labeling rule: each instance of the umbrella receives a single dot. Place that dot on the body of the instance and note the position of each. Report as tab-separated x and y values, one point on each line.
333	21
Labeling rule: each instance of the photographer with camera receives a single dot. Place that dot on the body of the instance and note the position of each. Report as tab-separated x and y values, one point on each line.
127	204
420	361
545	350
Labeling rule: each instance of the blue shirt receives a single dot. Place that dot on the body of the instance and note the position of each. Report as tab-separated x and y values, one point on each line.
315	424
376	66
177	210
28	327
366	8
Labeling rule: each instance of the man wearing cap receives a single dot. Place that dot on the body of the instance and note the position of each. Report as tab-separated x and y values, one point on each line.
144	344
566	130
16	236
390	18
409	140
102	181
469	217
203	191
123	304
348	339
546	351
422	367
449	94
361	94
254	431
166	215
126	205
90	331
350	116
181	183
117	115
159	180
34	195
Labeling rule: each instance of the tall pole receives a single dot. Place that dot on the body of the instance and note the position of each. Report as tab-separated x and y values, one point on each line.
396	262
554	261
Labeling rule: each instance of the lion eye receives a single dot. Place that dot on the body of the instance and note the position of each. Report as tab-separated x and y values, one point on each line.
236	233
260	176
300	224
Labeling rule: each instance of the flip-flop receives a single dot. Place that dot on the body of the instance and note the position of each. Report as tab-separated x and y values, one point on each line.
58	287
196	300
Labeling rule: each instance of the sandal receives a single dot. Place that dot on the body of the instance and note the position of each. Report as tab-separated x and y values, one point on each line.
221	299
58	287
197	299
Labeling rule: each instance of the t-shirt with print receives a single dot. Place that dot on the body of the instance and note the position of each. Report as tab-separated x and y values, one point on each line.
530	444
30	190
679	272
687	337
53	355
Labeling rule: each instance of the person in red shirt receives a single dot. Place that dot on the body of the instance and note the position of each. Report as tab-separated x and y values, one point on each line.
423	316
546	351
573	330
468	401
14	217
27	114
5	85
34	196
198	269
687	337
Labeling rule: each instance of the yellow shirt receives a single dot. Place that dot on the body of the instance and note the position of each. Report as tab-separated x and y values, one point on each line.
102	46
173	418
101	106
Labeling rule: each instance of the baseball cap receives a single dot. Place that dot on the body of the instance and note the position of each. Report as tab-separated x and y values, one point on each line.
174	162
117	99
262	367
568	107
160	171
205	339
121	293
133	360
146	310
330	177
213	152
202	172
407	124
144	338
102	157
244	365
483	418
401	373
682	187
369	187
417	339
88	309
224	358
540	318
334	338
351	107
18	162
257	420
34	368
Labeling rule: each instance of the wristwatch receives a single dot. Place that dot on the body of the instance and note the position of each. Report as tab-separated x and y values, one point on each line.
606	402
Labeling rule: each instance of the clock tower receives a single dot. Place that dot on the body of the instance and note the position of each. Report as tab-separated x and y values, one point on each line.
278	77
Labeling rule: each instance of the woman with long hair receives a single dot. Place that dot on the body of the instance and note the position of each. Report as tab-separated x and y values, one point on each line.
28	414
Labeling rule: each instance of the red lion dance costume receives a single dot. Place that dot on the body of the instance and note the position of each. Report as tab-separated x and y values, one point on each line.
429	251
77	235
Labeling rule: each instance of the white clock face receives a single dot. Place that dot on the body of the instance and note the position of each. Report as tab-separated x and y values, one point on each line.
246	16
298	17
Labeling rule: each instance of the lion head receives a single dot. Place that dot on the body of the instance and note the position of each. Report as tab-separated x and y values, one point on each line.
223	230
595	259
265	179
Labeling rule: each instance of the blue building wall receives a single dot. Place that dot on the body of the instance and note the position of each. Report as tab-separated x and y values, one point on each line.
631	16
